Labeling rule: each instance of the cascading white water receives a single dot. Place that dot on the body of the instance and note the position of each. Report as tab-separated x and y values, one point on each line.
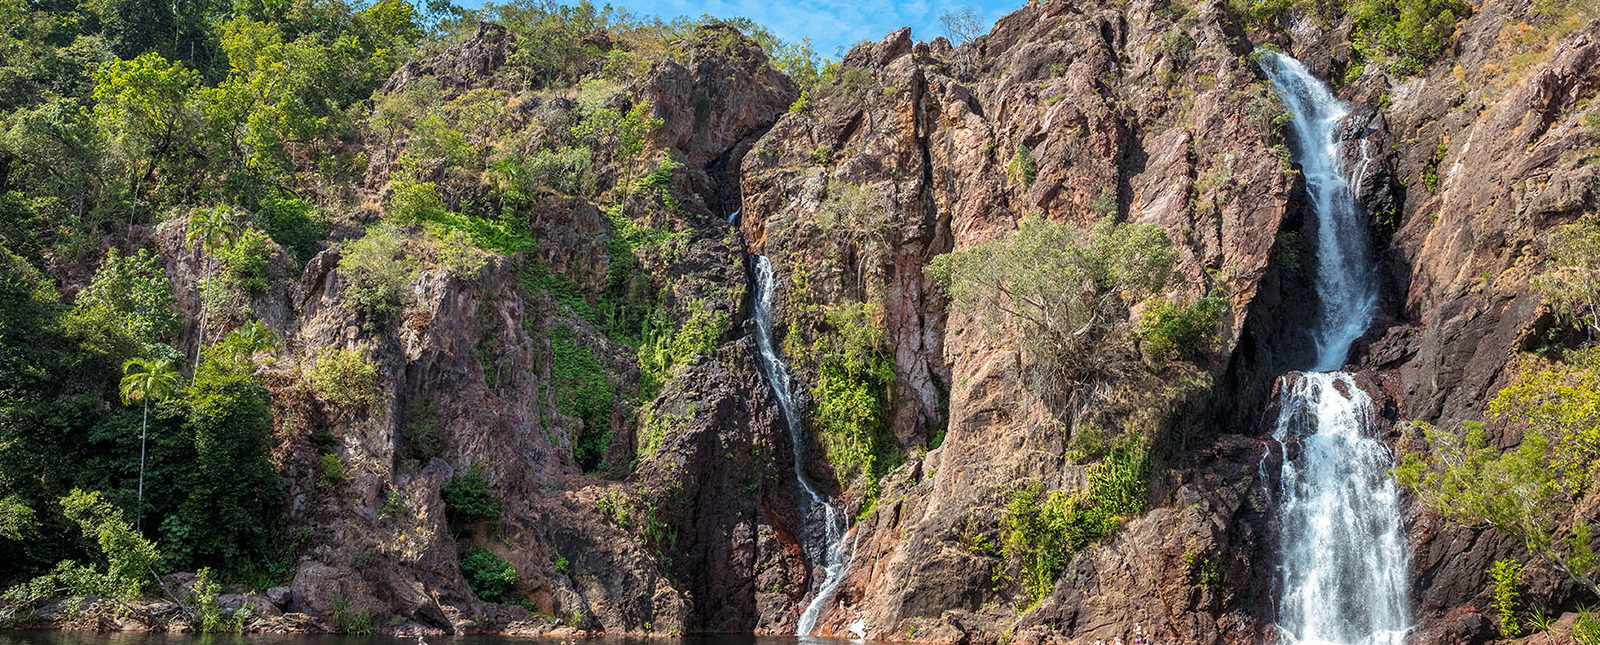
831	556
1342	546
1345	283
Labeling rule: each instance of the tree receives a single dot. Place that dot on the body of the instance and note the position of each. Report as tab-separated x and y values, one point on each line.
128	555
1524	492
1069	291
961	25
209	228
127	309
1572	283
146	107
144	381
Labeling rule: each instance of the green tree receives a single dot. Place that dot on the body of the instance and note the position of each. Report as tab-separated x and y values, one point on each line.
127	309
1524	492
209	229
128	555
146	107
234	500
1572	283
146	380
1068	290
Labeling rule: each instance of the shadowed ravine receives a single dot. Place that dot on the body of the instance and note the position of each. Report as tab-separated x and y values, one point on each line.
1342	557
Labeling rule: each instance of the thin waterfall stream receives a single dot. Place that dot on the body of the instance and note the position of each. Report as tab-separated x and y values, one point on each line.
832	556
1342	557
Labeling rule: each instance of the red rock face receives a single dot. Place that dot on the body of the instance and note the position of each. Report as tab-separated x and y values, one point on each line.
1151	113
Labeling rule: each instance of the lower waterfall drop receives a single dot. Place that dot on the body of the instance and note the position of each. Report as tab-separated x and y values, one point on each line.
1342	543
832	556
1343	561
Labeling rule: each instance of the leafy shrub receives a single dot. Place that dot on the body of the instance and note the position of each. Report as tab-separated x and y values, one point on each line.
1527	491
1506	576
583	393
378	274
467	499
330	471
414	202
490	576
567	170
1041	532
821	155
1021	169
458	253
231	511
622	133
248	259
128	555
1571	283
666	346
852	394
127	309
344	378
1167	330
291	222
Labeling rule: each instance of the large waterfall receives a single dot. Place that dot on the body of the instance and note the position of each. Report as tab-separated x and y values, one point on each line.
1342	555
830	555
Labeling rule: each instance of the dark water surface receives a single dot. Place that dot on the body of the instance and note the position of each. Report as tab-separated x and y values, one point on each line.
146	638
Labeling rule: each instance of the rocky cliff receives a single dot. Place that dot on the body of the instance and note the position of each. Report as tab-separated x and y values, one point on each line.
598	371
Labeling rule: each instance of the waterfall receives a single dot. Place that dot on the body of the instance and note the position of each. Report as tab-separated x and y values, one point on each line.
1345	283
1342	556
831	556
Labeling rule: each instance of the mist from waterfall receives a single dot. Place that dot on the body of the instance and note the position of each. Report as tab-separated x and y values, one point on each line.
831	556
1343	562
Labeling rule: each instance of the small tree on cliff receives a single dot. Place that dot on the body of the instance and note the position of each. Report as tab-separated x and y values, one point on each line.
1068	290
1528	491
1572	284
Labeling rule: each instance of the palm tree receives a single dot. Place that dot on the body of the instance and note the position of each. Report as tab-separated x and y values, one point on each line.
145	380
210	228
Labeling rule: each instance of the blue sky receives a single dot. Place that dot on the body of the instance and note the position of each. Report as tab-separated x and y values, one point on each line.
829	23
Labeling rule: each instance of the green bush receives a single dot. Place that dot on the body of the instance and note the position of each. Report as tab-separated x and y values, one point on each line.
128	555
127	309
232	508
378	274
1167	330
1041	532
344	378
291	222
490	576
248	259
854	375
330	471
467	499
1021	170
667	346
583	393
1506	576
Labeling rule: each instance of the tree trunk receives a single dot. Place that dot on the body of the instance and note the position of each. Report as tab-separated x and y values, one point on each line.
205	290
138	514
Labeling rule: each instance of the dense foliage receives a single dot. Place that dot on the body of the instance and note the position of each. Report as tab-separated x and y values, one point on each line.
1533	490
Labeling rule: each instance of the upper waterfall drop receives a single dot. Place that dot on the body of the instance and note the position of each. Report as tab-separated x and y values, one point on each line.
1345	282
1343	561
832	557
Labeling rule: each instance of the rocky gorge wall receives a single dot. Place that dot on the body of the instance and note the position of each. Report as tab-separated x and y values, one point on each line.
1148	111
